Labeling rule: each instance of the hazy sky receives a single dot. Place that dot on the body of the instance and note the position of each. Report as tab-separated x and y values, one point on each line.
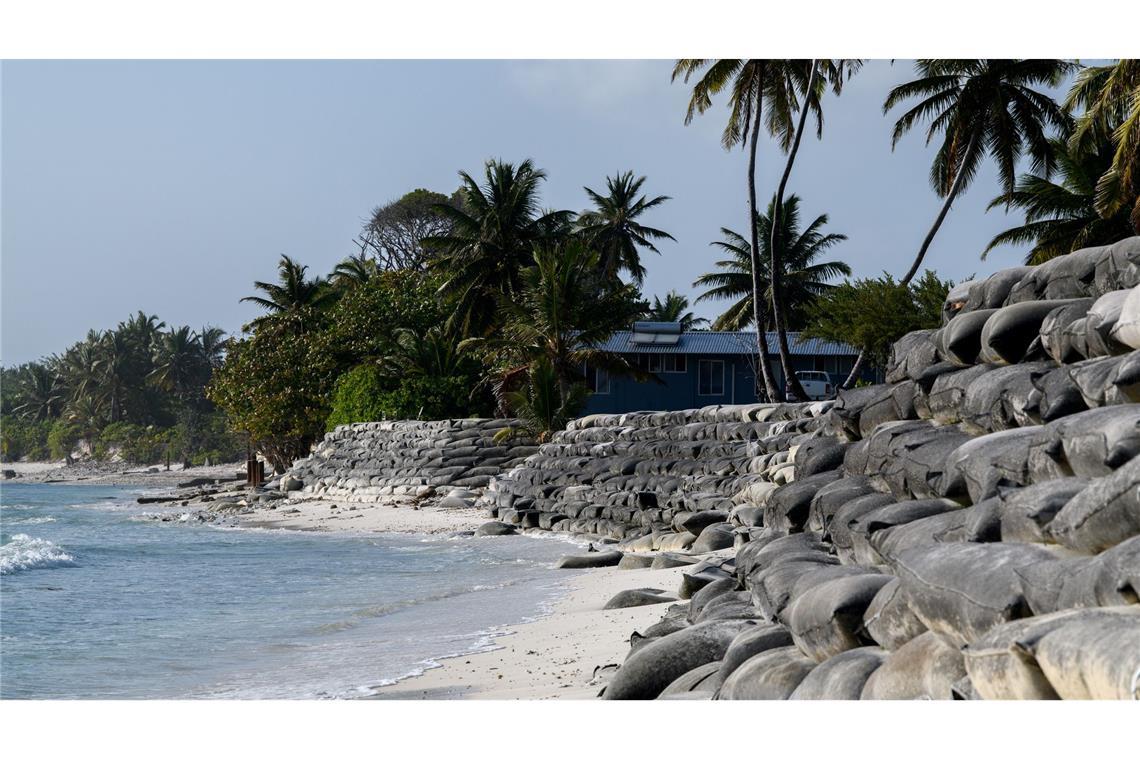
171	186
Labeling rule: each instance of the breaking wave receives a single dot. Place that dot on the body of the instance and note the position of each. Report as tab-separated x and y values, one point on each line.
26	553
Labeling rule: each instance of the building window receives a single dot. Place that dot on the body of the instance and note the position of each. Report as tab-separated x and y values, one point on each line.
654	362
710	377
597	381
675	363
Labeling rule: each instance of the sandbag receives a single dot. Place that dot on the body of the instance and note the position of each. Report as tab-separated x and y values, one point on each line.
926	667
1112	578
828	618
1093	656
889	516
1008	333
1102	318
946	591
751	642
1094	443
1126	330
771	588
1025	513
956	299
788	506
1103	514
646	673
1055	335
994	290
840	528
911	355
998	400
700	679
1055	395
841	677
1126	378
1119	268
1093	378
960	340
976	469
888	620
819	455
774	674
947	391
832	496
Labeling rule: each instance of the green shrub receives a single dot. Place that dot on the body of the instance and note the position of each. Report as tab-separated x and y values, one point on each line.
62	439
21	439
365	394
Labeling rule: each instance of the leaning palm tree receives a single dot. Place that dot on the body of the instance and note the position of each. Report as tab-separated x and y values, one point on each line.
39	392
980	107
612	226
1061	217
493	233
750	83
1110	97
805	277
292	293
674	309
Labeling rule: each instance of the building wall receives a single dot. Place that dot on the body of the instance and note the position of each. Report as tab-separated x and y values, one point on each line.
679	390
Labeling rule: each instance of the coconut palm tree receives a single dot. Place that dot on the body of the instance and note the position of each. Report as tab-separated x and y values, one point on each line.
292	293
561	313
1061	217
1110	97
751	83
674	309
491	241
805	277
116	371
354	270
612	226
819	74
179	366
212	344
980	107
39	391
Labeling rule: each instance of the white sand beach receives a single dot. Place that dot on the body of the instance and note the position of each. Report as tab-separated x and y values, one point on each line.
327	515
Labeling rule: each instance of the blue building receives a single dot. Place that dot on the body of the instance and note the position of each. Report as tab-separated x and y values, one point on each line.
702	368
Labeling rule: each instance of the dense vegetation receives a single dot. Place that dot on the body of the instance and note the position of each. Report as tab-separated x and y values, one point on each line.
485	301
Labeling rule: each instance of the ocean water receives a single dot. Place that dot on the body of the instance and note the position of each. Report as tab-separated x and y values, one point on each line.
98	603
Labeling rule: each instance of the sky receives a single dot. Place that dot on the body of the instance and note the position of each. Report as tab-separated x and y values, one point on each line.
171	186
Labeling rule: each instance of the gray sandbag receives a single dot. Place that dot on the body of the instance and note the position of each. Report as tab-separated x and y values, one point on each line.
911	354
1119	268
843	676
751	642
696	522
917	465
889	516
855	458
772	587
788	506
944	399
849	406
495	529
944	527
888	620
637	597
763	552
1008	334
895	403
1094	443
1057	340
828	619
774	674
713	538
839	530
1105	513
747	516
1126	378
948	592
1093	378
926	667
1073	275
961	339
700	679
1055	395
1102	318
1025	513
1001	664
832	496
994	290
710	591
1109	579
646	673
998	400
675	619
636	561
590	560
1126	330
977	468
677	542
956	299
817	455
1093	656
733	606
666	560
702	574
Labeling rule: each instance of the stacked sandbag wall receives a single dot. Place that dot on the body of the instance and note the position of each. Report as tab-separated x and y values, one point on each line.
968	530
373	461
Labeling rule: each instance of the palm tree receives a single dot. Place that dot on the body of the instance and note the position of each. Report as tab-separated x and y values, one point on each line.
491	241
982	106
354	270
805	277
292	293
1062	217
39	392
212	344
562	312
430	352
612	227
819	73
179	366
116	370
751	82
1110	96
674	309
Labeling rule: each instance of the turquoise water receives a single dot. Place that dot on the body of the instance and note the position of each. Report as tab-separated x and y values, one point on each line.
98	603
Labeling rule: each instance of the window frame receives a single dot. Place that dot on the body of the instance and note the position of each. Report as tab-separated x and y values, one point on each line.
712	375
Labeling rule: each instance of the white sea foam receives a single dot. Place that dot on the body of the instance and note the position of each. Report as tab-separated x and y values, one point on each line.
26	553
29	520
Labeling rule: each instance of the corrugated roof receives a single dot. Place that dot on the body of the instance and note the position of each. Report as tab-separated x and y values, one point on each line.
702	342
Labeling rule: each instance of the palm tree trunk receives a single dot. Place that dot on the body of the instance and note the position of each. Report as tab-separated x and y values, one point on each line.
955	186
776	265
757	300
858	365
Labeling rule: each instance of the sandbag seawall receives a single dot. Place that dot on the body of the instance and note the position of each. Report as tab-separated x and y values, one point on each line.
968	530
408	459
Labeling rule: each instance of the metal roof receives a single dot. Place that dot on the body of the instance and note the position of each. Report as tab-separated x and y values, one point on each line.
708	342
